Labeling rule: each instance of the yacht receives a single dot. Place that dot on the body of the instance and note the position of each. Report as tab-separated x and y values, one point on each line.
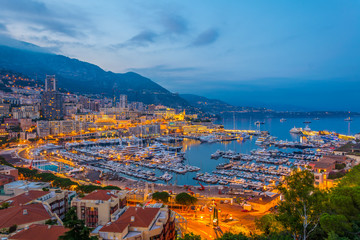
217	154
296	130
348	119
307	128
166	177
260	140
283	120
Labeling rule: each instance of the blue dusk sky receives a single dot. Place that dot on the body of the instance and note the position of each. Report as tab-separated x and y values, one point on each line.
292	54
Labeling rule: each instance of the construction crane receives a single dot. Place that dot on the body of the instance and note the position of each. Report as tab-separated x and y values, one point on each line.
30	167
202	188
189	190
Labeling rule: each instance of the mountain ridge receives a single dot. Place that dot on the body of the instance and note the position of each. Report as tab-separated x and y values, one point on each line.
84	77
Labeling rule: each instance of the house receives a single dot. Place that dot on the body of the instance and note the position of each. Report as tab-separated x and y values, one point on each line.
24	216
140	223
324	166
264	202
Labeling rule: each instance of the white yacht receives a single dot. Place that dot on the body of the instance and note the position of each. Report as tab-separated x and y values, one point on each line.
296	130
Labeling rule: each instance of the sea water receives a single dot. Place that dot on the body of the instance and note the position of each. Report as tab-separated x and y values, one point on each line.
199	154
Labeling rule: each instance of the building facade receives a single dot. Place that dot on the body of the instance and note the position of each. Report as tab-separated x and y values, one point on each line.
52	100
97	207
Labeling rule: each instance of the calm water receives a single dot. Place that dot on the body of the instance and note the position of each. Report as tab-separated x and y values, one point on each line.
199	154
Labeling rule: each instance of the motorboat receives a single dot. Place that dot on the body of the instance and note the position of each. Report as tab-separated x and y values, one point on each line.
296	130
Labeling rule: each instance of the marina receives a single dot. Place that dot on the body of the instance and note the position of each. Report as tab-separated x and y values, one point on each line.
250	161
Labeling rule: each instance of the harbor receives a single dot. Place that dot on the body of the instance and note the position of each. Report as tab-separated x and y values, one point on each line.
249	160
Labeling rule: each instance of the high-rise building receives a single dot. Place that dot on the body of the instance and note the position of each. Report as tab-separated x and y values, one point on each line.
123	101
50	83
52	106
52	100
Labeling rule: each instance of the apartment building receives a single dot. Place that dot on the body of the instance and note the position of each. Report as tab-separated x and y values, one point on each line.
97	207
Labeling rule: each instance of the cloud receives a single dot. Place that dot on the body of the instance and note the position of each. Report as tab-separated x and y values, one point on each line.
142	39
174	24
3	28
206	38
35	14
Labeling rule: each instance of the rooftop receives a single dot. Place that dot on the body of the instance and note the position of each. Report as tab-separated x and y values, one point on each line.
40	232
25	214
99	195
25	197
5	167
337	158
26	184
133	217
323	163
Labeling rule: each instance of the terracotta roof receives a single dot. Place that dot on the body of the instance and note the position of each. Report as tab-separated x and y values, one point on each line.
99	195
324	163
143	217
25	197
334	157
116	226
15	215
40	232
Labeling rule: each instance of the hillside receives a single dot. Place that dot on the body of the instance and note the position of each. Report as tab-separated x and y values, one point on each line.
83	77
213	106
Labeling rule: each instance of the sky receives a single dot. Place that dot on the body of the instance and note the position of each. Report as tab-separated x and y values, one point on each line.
244	52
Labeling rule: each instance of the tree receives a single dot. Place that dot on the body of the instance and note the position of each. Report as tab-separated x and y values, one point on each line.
51	222
343	213
78	230
190	236
185	199
232	236
268	224
12	228
161	196
4	205
334	236
352	178
302	206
